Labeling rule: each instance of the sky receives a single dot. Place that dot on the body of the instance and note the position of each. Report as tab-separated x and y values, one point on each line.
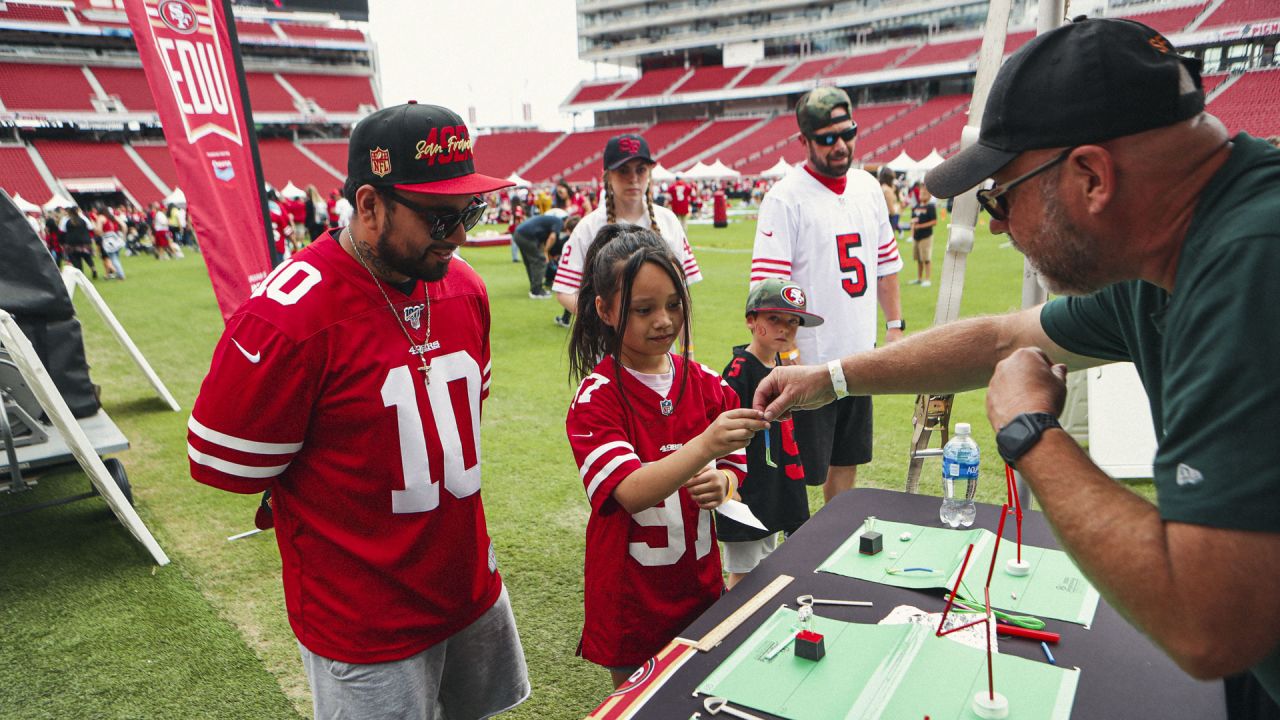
491	54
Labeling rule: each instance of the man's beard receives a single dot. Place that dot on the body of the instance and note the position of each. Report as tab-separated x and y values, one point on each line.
835	169
386	260
1066	257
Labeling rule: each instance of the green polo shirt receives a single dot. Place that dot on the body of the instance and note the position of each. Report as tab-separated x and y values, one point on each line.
1208	354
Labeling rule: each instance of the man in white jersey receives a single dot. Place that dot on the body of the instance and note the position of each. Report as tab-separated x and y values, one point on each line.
828	230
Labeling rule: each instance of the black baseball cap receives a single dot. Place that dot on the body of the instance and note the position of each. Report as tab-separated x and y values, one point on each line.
622	148
417	148
1086	82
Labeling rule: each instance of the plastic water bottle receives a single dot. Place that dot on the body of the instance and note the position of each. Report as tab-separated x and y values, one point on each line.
959	478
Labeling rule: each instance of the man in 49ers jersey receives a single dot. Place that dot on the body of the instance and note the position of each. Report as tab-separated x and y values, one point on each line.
350	385
828	230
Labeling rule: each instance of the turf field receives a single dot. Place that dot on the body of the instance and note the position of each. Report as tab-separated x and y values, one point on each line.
91	628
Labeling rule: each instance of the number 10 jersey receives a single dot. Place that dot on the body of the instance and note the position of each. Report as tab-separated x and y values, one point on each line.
315	392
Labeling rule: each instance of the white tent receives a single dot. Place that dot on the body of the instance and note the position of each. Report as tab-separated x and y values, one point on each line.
293	191
723	171
58	201
902	163
700	171
519	181
780	169
661	174
931	161
25	205
177	197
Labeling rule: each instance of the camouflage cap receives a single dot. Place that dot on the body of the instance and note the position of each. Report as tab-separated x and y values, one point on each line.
813	111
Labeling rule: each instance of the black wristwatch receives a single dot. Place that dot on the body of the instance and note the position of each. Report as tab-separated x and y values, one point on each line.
1022	433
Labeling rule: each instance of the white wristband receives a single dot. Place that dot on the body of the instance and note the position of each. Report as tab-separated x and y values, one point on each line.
837	379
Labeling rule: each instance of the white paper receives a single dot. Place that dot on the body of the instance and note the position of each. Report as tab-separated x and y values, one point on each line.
738	511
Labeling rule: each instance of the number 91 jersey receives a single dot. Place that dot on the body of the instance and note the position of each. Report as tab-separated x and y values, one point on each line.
314	392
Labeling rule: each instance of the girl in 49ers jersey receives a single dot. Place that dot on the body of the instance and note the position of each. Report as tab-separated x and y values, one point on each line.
658	440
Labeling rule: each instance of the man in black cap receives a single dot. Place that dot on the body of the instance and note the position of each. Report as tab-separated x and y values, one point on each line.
350	386
1137	205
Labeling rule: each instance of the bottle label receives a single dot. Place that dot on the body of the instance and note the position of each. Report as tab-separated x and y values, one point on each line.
959	470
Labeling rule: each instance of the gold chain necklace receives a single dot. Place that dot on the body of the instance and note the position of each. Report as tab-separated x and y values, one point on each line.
419	350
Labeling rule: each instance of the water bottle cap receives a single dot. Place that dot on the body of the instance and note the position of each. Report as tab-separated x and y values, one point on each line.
962	428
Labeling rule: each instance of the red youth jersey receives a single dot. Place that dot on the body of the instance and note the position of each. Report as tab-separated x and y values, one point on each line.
647	575
375	474
681	195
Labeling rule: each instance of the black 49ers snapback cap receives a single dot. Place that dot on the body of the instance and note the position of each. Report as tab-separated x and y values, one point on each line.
417	148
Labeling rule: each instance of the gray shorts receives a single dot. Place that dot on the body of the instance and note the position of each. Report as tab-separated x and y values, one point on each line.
477	673
743	557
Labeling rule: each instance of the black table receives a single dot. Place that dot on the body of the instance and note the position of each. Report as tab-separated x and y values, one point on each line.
1123	674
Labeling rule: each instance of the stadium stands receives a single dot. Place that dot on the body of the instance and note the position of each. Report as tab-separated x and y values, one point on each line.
707	78
692	149
762	148
943	137
664	134
267	95
17	12
128	84
161	163
317	32
500	154
284	163
249	31
334	93
1168	21
654	82
1238	12
1250	103
877	142
808	70
26	86
71	160
18	175
943	52
592	93
870	62
758	76
574	151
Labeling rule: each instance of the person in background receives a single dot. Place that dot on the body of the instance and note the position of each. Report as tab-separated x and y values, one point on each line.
317	214
535	237
924	216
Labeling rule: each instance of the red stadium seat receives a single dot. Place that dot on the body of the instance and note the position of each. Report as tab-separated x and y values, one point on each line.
75	160
18	175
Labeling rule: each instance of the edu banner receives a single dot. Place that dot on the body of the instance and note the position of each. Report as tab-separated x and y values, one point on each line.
192	66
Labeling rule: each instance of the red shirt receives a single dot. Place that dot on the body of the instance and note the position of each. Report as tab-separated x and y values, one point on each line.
647	575
375	476
681	195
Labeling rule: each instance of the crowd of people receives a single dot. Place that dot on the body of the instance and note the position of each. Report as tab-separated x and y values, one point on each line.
373	467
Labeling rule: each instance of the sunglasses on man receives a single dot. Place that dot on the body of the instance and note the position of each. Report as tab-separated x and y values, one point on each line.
993	199
442	225
829	139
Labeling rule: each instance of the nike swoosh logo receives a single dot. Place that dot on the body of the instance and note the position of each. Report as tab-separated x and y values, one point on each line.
587	435
254	358
767	234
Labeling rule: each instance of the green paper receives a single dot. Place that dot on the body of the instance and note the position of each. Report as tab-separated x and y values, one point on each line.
1054	588
891	671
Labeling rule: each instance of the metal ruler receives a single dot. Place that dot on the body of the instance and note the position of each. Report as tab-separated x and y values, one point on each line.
739	616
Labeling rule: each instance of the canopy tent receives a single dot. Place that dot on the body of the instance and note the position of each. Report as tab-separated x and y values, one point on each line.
723	171
661	174
519	181
780	169
700	171
931	161
25	205
293	191
903	163
58	201
177	197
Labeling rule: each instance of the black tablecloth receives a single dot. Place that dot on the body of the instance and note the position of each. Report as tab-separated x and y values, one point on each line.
1123	674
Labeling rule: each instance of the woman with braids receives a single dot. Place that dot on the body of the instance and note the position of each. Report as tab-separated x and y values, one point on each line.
627	163
659	442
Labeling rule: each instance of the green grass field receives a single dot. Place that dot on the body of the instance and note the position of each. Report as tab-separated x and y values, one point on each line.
92	629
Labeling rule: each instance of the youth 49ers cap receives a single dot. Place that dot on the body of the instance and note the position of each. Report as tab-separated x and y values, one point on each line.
417	148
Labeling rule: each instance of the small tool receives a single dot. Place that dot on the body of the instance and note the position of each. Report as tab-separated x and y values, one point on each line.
809	600
717	705
777	649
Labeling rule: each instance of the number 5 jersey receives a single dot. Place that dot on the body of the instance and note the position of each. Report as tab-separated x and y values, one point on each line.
650	574
315	392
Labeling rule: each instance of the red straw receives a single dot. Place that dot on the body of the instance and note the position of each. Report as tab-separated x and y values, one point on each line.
991	677
954	592
1014	501
1004	512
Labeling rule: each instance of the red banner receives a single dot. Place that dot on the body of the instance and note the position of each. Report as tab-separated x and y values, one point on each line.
191	65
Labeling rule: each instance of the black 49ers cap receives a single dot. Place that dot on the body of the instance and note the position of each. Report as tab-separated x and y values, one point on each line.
1086	82
417	148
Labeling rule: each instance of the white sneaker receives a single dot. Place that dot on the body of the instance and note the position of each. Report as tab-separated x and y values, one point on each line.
544	295
925	283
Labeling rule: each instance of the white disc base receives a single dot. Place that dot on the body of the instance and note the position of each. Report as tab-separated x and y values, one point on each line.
988	709
1013	567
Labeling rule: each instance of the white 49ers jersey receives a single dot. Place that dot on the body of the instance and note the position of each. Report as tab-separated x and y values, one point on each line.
569	272
836	247
647	575
375	473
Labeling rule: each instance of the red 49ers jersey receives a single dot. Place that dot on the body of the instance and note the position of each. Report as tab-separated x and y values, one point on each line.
647	575
375	474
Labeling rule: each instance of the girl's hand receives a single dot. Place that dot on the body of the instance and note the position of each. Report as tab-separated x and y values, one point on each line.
707	488
732	431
